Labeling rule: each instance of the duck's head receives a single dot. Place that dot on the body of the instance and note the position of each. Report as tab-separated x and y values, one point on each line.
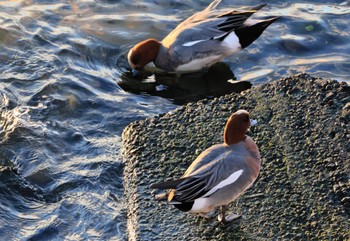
237	127
143	53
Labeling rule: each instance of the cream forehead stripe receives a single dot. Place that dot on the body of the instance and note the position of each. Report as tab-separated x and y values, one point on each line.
240	112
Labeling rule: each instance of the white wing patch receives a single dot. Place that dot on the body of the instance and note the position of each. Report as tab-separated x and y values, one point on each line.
191	43
231	179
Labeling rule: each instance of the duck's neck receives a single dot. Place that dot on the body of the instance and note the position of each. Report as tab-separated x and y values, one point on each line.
163	61
153	46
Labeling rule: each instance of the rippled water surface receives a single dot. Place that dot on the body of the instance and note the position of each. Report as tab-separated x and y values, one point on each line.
66	94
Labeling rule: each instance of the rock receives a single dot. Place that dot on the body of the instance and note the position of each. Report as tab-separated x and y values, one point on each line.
303	190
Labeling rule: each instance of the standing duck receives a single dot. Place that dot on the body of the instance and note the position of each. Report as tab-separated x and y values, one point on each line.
220	174
200	41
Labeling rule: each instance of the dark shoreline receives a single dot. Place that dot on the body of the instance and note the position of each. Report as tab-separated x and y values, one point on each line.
303	191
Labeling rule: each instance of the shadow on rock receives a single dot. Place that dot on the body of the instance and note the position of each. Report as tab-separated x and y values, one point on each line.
181	89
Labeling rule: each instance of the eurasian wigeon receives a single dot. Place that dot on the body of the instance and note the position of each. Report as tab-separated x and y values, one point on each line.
200	41
220	174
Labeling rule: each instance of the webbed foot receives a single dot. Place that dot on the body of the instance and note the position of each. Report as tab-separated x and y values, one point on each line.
208	215
225	219
228	218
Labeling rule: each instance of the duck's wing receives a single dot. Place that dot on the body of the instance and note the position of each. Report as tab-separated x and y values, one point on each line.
203	159
213	169
205	29
210	19
213	5
199	40
170	184
211	12
208	13
211	177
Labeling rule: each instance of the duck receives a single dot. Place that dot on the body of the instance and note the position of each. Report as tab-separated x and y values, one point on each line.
200	41
219	175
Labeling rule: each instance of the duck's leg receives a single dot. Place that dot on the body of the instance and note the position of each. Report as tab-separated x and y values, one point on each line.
161	197
224	219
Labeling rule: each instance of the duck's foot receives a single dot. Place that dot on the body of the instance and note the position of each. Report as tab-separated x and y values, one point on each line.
224	219
208	215
228	218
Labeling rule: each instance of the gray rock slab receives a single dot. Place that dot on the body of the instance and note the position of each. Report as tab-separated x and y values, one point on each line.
303	191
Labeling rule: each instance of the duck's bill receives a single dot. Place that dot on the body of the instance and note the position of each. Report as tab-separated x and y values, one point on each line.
134	72
253	122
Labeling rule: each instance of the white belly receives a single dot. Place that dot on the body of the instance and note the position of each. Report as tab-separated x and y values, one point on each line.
198	64
201	205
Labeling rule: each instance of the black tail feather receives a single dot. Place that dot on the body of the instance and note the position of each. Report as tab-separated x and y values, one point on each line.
237	18
248	34
258	7
171	184
234	20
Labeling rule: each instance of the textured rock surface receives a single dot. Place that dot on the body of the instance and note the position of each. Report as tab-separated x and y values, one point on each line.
303	191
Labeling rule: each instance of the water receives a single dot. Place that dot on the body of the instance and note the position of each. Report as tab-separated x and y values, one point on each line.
66	95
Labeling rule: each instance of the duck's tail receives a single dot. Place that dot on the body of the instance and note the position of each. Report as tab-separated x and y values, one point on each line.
170	184
258	7
251	30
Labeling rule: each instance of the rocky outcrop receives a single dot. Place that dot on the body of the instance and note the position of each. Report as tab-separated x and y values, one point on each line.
303	191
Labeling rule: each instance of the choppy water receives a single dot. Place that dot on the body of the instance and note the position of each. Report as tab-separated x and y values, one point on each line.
65	97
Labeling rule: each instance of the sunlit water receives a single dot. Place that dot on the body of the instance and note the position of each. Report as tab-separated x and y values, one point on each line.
65	97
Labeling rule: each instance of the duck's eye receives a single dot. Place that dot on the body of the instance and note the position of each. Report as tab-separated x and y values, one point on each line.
246	119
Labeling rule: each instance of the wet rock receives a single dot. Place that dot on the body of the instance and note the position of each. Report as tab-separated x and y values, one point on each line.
303	191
